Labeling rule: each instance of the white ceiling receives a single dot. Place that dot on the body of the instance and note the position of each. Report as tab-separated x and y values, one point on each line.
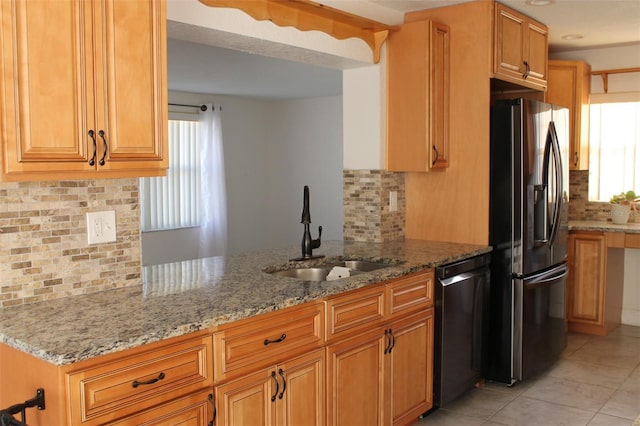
200	68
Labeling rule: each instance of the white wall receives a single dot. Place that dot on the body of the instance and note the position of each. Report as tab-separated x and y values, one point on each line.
605	59
271	149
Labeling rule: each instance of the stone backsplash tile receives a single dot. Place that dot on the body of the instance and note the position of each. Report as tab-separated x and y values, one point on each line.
43	239
580	208
367	216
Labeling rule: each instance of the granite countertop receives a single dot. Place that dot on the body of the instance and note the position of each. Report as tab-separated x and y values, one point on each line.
593	225
178	298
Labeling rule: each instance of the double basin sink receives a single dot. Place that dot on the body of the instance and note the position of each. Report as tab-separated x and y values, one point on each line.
323	272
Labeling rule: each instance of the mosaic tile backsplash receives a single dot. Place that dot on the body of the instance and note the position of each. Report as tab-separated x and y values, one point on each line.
43	239
580	208
367	216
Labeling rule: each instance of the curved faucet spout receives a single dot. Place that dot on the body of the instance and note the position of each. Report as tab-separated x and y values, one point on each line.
308	244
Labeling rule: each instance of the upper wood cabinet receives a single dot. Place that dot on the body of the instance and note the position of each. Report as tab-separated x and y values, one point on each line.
570	86
83	89
520	49
418	97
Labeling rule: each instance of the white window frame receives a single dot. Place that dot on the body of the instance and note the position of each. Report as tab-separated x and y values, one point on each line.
619	169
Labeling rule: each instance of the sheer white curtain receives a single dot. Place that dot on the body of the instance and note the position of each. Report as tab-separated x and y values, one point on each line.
213	196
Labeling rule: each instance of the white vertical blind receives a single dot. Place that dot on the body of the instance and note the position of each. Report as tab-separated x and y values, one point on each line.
171	201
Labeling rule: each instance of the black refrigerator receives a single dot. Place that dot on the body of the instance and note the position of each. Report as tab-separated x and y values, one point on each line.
528	231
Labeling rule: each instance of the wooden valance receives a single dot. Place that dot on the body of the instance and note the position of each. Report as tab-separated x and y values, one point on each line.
307	15
605	75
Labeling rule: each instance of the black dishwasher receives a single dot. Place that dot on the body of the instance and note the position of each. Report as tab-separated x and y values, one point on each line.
461	327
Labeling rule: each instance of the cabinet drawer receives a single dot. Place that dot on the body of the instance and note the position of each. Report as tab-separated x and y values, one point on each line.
411	293
355	311
140	380
194	409
632	240
265	340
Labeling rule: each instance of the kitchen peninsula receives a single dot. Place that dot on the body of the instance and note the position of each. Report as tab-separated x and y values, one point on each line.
190	299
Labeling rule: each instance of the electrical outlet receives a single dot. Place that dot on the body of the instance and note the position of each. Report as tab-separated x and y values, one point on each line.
393	201
101	227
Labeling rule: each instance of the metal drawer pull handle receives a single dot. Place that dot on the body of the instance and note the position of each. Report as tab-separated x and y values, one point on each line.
267	341
284	383
213	408
104	147
136	383
393	340
437	155
92	160
275	379
387	337
528	69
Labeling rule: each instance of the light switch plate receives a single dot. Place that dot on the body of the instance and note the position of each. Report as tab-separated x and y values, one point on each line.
393	201
101	227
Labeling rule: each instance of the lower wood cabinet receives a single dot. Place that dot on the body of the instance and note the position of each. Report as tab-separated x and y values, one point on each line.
384	376
364	357
288	393
594	289
381	374
162	383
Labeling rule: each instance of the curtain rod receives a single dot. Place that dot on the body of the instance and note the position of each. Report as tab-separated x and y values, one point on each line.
201	107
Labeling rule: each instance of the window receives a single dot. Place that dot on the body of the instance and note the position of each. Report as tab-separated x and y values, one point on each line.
614	145
171	201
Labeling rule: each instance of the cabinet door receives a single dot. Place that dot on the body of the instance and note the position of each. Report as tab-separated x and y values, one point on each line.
510	36
536	54
438	106
520	49
249	400
302	394
569	85
46	91
586	282
356	381
418	97
132	84
411	359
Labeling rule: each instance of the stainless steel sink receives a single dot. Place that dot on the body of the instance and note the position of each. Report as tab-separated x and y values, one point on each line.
320	272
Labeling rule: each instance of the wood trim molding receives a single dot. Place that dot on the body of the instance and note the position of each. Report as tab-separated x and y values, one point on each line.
604	74
307	15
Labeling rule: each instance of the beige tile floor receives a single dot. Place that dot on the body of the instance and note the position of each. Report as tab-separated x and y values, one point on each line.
596	382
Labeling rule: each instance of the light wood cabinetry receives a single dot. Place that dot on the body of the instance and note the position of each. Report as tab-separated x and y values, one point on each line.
191	410
161	383
83	89
594	290
570	86
520	49
386	367
138	381
361	357
418	97
289	393
270	369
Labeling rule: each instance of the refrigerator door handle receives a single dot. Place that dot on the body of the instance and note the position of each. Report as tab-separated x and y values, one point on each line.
546	278
557	162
